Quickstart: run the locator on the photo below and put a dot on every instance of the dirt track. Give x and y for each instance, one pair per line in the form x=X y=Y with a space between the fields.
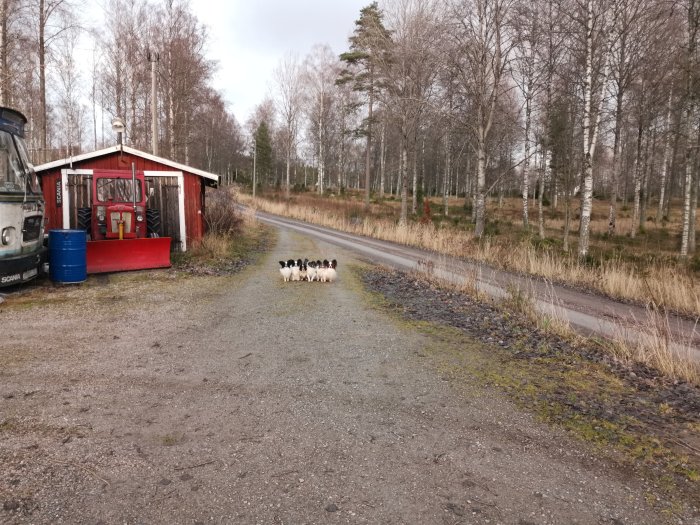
x=246 y=400
x=589 y=313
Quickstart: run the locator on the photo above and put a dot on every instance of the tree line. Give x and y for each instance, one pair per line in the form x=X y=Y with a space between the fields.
x=41 y=44
x=556 y=101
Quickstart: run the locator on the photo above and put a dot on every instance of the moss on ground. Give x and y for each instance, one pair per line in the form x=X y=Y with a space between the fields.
x=565 y=389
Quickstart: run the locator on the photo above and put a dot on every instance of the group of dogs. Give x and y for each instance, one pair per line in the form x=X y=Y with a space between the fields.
x=322 y=271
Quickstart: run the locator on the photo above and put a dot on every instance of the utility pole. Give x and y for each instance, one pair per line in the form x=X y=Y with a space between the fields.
x=255 y=155
x=153 y=58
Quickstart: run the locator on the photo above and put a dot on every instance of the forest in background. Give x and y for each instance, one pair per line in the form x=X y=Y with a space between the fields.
x=556 y=101
x=70 y=111
x=559 y=102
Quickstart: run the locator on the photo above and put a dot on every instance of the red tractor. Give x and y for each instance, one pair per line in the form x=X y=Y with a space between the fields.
x=123 y=233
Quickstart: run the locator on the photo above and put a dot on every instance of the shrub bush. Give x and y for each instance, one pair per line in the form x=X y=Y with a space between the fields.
x=221 y=216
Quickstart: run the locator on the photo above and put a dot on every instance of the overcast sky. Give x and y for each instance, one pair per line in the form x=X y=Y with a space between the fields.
x=249 y=37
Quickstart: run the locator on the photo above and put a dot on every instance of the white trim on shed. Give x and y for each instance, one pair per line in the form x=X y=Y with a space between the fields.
x=126 y=149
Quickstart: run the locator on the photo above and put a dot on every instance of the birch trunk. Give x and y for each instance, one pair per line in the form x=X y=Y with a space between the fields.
x=687 y=190
x=648 y=166
x=689 y=126
x=289 y=169
x=480 y=197
x=403 y=170
x=414 y=163
x=540 y=201
x=587 y=166
x=448 y=170
x=489 y=70
x=693 y=214
x=614 y=183
x=671 y=177
x=321 y=161
x=382 y=162
x=638 y=167
x=567 y=219
x=664 y=165
x=526 y=161
x=590 y=135
x=368 y=153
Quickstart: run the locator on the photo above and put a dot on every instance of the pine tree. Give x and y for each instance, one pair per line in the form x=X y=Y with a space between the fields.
x=263 y=144
x=368 y=48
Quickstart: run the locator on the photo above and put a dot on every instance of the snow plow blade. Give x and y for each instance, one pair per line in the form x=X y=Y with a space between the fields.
x=128 y=254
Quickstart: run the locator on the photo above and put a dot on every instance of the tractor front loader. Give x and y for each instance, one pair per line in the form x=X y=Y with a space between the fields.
x=123 y=233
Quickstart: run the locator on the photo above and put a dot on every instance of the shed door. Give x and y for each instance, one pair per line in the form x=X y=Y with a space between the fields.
x=164 y=196
x=78 y=187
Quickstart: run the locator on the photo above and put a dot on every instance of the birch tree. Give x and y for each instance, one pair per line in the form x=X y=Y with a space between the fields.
x=53 y=17
x=180 y=39
x=690 y=117
x=408 y=75
x=528 y=73
x=481 y=38
x=288 y=83
x=68 y=82
x=4 y=51
x=320 y=71
x=641 y=39
x=598 y=18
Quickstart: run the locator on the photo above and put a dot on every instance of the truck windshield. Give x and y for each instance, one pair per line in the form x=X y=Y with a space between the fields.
x=117 y=190
x=14 y=175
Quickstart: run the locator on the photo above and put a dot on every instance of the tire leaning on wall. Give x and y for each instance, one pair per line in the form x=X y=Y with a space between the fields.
x=153 y=223
x=85 y=219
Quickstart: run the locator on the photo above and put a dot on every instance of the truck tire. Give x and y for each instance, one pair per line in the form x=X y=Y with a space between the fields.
x=153 y=225
x=85 y=219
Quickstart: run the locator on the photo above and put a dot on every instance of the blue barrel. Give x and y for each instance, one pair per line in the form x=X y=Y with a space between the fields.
x=67 y=256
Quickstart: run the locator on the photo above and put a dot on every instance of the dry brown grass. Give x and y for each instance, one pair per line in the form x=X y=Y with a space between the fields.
x=213 y=246
x=656 y=347
x=657 y=283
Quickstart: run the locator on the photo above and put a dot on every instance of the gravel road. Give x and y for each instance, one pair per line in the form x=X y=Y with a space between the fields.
x=152 y=398
x=589 y=313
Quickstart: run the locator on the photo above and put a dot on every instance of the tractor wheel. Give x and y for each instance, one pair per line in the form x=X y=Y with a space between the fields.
x=153 y=222
x=85 y=219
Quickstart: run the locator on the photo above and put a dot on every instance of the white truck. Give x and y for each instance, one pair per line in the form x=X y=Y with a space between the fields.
x=22 y=250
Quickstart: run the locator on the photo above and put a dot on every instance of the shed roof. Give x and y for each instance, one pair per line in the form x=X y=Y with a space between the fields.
x=132 y=151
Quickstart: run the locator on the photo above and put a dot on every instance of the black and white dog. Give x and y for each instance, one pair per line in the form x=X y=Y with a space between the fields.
x=323 y=271
x=286 y=270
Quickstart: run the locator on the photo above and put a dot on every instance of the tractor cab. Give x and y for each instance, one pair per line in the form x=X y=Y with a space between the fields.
x=119 y=207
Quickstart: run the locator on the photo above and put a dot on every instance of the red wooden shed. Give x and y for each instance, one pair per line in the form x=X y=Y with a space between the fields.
x=175 y=189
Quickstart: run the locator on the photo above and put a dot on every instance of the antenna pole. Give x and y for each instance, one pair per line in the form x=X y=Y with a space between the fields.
x=153 y=58
x=255 y=157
